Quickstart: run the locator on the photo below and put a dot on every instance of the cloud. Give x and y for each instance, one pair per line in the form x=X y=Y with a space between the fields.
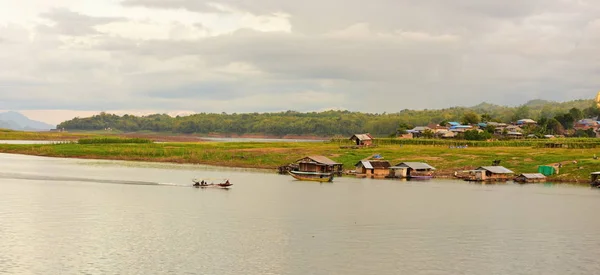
x=72 y=23
x=237 y=56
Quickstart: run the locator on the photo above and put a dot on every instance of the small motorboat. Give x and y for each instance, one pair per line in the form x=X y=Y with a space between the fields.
x=205 y=184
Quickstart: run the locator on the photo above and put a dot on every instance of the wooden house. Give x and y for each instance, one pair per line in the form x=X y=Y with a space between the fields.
x=319 y=164
x=362 y=139
x=373 y=168
x=530 y=178
x=595 y=179
x=411 y=170
x=490 y=173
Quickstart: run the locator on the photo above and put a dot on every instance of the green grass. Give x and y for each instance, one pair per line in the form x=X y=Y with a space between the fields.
x=271 y=155
x=20 y=135
x=112 y=140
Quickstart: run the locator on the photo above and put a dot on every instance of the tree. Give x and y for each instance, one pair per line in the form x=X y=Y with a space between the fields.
x=554 y=127
x=566 y=120
x=521 y=113
x=486 y=117
x=471 y=118
x=477 y=135
x=591 y=112
x=585 y=133
x=428 y=133
x=576 y=114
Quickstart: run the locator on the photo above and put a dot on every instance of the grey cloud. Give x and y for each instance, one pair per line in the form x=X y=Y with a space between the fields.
x=317 y=16
x=73 y=23
x=379 y=56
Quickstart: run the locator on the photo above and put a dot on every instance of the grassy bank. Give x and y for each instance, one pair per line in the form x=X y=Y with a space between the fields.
x=58 y=136
x=577 y=163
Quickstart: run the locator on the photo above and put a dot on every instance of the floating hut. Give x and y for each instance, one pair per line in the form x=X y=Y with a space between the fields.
x=530 y=178
x=490 y=173
x=319 y=164
x=595 y=177
x=411 y=170
x=373 y=168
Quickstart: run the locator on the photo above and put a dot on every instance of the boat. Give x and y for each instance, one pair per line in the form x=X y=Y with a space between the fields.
x=423 y=177
x=312 y=176
x=205 y=184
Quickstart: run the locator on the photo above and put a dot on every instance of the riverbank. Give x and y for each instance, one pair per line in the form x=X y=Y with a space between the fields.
x=577 y=164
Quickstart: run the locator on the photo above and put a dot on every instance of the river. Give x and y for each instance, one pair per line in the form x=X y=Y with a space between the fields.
x=71 y=216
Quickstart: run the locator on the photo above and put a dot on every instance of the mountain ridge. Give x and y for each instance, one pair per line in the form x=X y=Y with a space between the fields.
x=16 y=121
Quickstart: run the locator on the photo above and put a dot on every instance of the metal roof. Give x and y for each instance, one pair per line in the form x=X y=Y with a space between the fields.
x=533 y=176
x=321 y=159
x=371 y=164
x=526 y=120
x=365 y=164
x=496 y=169
x=362 y=137
x=420 y=128
x=414 y=165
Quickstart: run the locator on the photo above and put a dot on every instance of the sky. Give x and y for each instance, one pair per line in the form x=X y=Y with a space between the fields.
x=67 y=58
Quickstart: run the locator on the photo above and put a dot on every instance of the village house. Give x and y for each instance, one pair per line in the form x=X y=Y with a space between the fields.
x=373 y=168
x=411 y=170
x=490 y=173
x=509 y=128
x=526 y=121
x=515 y=134
x=496 y=124
x=319 y=164
x=436 y=128
x=407 y=135
x=419 y=130
x=530 y=178
x=362 y=139
x=445 y=134
x=586 y=124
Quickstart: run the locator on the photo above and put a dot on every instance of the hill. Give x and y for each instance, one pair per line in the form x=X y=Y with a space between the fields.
x=17 y=121
x=328 y=123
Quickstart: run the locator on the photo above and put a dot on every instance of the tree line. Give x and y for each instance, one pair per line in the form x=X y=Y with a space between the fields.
x=331 y=123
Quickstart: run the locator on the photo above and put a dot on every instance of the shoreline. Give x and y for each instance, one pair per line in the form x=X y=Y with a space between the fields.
x=441 y=174
x=577 y=164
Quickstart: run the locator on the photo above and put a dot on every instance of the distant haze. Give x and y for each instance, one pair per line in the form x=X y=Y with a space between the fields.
x=77 y=57
x=17 y=121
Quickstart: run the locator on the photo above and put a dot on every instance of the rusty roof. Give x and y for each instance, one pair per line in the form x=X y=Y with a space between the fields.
x=321 y=160
x=362 y=136
x=371 y=164
x=532 y=176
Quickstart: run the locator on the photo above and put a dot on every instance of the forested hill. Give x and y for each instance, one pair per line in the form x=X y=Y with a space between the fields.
x=327 y=123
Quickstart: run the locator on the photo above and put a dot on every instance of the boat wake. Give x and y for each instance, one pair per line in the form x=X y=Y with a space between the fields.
x=72 y=179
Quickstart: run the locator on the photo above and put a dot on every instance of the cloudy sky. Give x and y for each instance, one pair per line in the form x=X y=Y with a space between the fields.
x=65 y=58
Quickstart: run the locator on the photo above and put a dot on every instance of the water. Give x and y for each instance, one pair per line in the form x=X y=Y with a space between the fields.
x=68 y=216
x=30 y=142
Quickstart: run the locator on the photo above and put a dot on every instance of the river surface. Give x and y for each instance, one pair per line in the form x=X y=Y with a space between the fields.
x=70 y=216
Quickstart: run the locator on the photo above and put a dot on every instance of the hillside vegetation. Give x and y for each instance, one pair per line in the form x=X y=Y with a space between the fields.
x=329 y=123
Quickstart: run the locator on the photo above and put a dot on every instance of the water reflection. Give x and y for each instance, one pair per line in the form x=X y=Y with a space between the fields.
x=31 y=142
x=55 y=220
